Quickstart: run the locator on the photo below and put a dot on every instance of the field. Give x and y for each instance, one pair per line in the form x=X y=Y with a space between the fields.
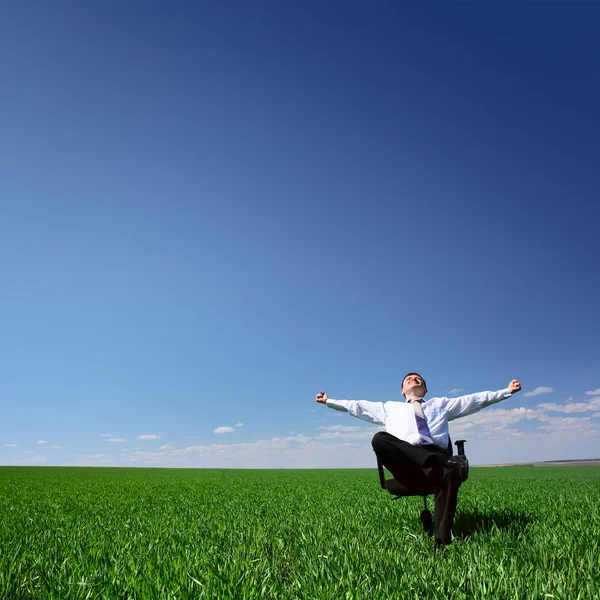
x=521 y=532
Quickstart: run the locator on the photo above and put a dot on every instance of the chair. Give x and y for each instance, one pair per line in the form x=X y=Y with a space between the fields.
x=399 y=490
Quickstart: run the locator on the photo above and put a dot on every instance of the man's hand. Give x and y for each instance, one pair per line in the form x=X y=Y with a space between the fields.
x=514 y=386
x=321 y=397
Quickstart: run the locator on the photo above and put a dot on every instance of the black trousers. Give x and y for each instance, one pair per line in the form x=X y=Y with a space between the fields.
x=419 y=469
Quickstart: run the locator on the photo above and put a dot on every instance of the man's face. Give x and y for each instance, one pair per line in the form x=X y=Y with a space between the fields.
x=413 y=384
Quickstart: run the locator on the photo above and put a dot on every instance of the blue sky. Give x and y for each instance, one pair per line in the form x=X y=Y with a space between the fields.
x=211 y=211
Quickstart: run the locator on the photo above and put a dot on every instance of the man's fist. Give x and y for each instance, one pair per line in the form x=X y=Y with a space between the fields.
x=321 y=397
x=514 y=386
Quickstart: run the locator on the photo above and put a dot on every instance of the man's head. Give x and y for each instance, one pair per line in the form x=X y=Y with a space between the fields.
x=414 y=385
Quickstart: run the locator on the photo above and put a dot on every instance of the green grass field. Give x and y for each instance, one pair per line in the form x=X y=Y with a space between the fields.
x=521 y=532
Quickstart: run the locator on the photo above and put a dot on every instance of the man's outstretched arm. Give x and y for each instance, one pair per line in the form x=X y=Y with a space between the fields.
x=466 y=405
x=373 y=412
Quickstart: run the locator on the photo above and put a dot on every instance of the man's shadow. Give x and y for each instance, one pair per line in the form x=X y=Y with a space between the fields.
x=467 y=523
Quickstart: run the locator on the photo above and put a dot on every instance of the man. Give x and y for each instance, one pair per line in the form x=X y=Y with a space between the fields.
x=415 y=444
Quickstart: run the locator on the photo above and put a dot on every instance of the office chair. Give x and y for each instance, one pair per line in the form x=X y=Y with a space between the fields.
x=399 y=490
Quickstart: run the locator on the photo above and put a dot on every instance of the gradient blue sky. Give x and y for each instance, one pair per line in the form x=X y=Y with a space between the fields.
x=211 y=211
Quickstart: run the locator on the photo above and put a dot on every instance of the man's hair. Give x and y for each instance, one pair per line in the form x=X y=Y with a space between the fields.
x=409 y=374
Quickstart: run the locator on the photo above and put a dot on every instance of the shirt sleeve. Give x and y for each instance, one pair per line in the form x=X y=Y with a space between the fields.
x=467 y=405
x=373 y=412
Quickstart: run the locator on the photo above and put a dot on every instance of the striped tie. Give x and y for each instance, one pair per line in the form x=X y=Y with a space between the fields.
x=425 y=434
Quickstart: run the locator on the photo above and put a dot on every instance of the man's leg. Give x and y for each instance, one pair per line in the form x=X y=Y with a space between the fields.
x=406 y=462
x=389 y=448
x=446 y=495
x=420 y=467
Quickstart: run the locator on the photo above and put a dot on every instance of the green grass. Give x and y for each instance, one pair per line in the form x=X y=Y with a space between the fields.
x=155 y=533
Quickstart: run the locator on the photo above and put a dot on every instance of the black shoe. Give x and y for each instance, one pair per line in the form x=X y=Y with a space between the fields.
x=458 y=464
x=440 y=545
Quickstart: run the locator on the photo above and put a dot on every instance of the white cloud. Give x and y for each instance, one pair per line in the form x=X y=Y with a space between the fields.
x=151 y=458
x=494 y=436
x=492 y=439
x=272 y=444
x=149 y=436
x=539 y=391
x=115 y=440
x=239 y=425
x=41 y=442
x=565 y=408
x=107 y=435
x=204 y=448
x=492 y=422
x=348 y=445
x=531 y=446
x=362 y=433
x=299 y=439
x=56 y=447
x=572 y=425
x=224 y=430
x=455 y=391
x=340 y=427
x=10 y=445
x=571 y=407
x=295 y=451
x=87 y=460
x=576 y=407
x=594 y=392
x=39 y=458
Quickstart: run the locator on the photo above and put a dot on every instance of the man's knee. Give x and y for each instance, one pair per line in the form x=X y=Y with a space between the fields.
x=383 y=440
x=451 y=478
x=379 y=440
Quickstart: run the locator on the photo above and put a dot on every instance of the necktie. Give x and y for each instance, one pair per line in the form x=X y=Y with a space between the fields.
x=421 y=422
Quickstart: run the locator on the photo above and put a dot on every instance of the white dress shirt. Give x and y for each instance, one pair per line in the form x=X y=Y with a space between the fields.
x=398 y=418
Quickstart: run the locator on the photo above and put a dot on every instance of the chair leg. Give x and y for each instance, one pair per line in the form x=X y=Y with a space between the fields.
x=427 y=521
x=426 y=518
